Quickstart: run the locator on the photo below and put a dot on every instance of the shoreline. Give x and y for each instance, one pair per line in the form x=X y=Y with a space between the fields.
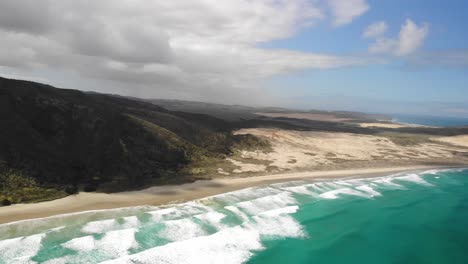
x=163 y=195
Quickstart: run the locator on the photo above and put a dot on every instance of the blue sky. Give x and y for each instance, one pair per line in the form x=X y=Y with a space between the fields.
x=447 y=20
x=391 y=56
x=398 y=82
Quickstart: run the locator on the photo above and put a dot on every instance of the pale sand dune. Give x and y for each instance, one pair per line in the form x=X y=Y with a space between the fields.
x=310 y=116
x=385 y=125
x=307 y=149
x=455 y=140
x=177 y=193
x=243 y=167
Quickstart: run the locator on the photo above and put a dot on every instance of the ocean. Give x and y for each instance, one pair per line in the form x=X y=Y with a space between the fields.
x=402 y=218
x=437 y=121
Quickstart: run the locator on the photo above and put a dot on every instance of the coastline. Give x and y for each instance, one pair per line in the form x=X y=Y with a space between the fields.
x=161 y=195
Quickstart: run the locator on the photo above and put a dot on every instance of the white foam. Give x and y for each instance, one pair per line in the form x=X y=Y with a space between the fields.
x=130 y=221
x=345 y=183
x=212 y=218
x=76 y=259
x=317 y=187
x=182 y=229
x=331 y=185
x=267 y=203
x=81 y=244
x=103 y=226
x=158 y=215
x=281 y=225
x=388 y=182
x=367 y=189
x=334 y=193
x=55 y=229
x=414 y=178
x=179 y=211
x=323 y=186
x=280 y=211
x=62 y=260
x=117 y=243
x=20 y=249
x=246 y=194
x=237 y=212
x=97 y=227
x=229 y=246
x=276 y=222
x=299 y=190
x=114 y=244
x=164 y=211
x=435 y=171
x=356 y=182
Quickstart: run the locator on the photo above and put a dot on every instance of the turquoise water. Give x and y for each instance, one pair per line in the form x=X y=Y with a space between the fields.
x=404 y=218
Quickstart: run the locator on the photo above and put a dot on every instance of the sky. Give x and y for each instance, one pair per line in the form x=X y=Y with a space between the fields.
x=382 y=56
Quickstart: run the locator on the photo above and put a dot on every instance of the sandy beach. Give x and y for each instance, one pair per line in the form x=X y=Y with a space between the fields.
x=177 y=193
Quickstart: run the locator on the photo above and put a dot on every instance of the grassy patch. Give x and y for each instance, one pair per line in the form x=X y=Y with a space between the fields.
x=252 y=143
x=16 y=188
x=404 y=139
x=206 y=166
x=273 y=168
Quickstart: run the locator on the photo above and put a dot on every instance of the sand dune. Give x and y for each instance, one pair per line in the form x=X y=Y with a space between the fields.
x=455 y=140
x=293 y=150
x=329 y=117
x=388 y=125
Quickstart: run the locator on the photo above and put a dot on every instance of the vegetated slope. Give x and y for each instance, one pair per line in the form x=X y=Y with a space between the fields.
x=58 y=138
x=225 y=112
x=240 y=112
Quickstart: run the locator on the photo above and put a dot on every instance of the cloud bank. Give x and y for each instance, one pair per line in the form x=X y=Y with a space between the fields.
x=375 y=30
x=411 y=38
x=199 y=48
x=188 y=49
x=345 y=11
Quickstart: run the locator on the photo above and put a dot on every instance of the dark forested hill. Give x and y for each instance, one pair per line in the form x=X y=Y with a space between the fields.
x=66 y=139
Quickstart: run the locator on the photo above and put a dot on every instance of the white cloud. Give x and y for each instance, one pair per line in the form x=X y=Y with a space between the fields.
x=411 y=37
x=376 y=29
x=197 y=47
x=344 y=11
x=384 y=45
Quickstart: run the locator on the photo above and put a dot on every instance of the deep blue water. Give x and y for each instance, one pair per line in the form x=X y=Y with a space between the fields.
x=431 y=120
